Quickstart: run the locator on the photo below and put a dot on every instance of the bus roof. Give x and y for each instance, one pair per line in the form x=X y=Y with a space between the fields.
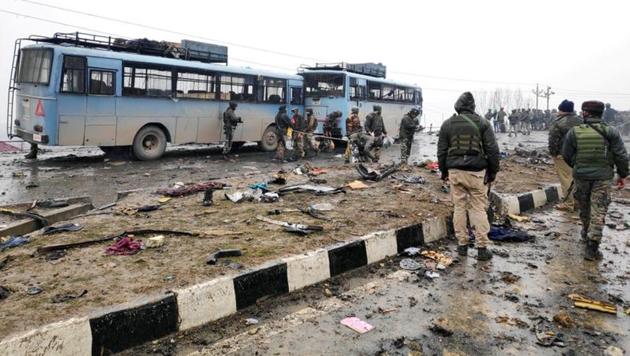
x=132 y=57
x=361 y=76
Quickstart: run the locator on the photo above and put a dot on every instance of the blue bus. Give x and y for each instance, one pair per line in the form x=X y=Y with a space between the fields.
x=79 y=89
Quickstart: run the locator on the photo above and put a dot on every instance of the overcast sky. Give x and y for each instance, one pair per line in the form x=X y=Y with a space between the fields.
x=580 y=48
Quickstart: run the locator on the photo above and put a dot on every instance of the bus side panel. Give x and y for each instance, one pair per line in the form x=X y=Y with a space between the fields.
x=136 y=112
x=100 y=123
x=72 y=109
x=256 y=118
x=325 y=106
x=197 y=121
x=392 y=114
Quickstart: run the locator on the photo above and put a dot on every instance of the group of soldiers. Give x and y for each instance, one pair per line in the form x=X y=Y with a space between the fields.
x=520 y=120
x=586 y=152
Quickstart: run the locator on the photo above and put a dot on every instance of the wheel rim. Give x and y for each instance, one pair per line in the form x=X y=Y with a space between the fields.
x=270 y=139
x=150 y=142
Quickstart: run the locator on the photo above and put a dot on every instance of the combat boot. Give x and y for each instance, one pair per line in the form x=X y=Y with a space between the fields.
x=462 y=250
x=207 y=197
x=483 y=254
x=32 y=154
x=592 y=252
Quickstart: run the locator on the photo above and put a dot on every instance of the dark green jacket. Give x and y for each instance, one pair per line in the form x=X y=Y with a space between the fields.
x=455 y=125
x=559 y=129
x=282 y=122
x=408 y=126
x=230 y=120
x=374 y=123
x=615 y=154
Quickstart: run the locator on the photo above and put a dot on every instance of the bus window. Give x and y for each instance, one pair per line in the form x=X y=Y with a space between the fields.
x=418 y=97
x=196 y=86
x=272 y=91
x=147 y=82
x=357 y=92
x=238 y=88
x=73 y=80
x=296 y=96
x=408 y=98
x=34 y=66
x=323 y=85
x=102 y=82
x=374 y=90
x=388 y=93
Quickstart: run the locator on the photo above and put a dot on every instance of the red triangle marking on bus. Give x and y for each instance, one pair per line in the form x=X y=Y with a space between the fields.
x=39 y=109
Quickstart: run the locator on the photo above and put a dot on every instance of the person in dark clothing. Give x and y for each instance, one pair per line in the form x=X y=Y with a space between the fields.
x=230 y=121
x=610 y=115
x=299 y=127
x=468 y=157
x=32 y=154
x=330 y=126
x=594 y=149
x=283 y=123
x=409 y=125
x=309 y=133
x=375 y=127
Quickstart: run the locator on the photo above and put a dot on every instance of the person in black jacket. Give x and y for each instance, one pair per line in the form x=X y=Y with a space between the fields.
x=282 y=125
x=468 y=157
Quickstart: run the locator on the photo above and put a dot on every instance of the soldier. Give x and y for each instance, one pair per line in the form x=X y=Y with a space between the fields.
x=353 y=127
x=375 y=127
x=299 y=126
x=282 y=125
x=230 y=121
x=559 y=128
x=525 y=120
x=330 y=126
x=468 y=156
x=593 y=149
x=610 y=115
x=311 y=126
x=32 y=153
x=489 y=115
x=500 y=120
x=513 y=119
x=409 y=125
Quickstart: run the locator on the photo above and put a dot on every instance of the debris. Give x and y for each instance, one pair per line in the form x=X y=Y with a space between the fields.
x=563 y=319
x=85 y=243
x=505 y=319
x=279 y=178
x=251 y=321
x=14 y=241
x=412 y=251
x=180 y=190
x=154 y=242
x=357 y=324
x=124 y=247
x=270 y=197
x=164 y=200
x=296 y=228
x=409 y=264
x=62 y=298
x=445 y=189
x=107 y=206
x=34 y=290
x=613 y=351
x=207 y=197
x=519 y=218
x=440 y=326
x=431 y=275
x=31 y=185
x=357 y=184
x=321 y=207
x=309 y=188
x=432 y=166
x=4 y=292
x=18 y=174
x=411 y=179
x=55 y=255
x=505 y=233
x=5 y=261
x=512 y=297
x=373 y=174
x=509 y=277
x=438 y=257
x=213 y=259
x=50 y=203
x=261 y=186
x=545 y=336
x=317 y=171
x=580 y=301
x=26 y=215
x=71 y=227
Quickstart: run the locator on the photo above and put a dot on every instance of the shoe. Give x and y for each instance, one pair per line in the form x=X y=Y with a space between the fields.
x=483 y=254
x=592 y=252
x=462 y=250
x=207 y=197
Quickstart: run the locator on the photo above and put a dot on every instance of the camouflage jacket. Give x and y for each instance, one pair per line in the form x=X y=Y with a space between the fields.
x=353 y=124
x=230 y=120
x=408 y=126
x=558 y=131
x=374 y=124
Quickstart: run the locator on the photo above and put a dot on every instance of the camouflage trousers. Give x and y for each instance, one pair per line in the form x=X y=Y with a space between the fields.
x=592 y=198
x=308 y=143
x=298 y=145
x=227 y=146
x=405 y=148
x=376 y=148
x=281 y=148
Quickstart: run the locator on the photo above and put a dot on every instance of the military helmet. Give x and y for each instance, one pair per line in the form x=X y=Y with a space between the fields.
x=233 y=105
x=414 y=112
x=309 y=111
x=355 y=110
x=377 y=108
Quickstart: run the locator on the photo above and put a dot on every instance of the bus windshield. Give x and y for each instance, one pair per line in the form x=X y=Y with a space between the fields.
x=34 y=66
x=321 y=85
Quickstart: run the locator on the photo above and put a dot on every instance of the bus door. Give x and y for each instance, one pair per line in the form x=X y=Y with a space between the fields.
x=72 y=100
x=104 y=81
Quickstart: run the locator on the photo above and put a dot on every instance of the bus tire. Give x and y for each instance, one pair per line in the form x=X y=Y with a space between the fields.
x=149 y=143
x=269 y=141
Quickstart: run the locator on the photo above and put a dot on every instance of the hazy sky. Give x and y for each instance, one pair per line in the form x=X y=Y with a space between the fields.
x=580 y=48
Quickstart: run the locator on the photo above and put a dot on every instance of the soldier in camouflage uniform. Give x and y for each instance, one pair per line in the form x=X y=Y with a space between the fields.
x=593 y=149
x=309 y=133
x=230 y=121
x=283 y=123
x=375 y=127
x=513 y=119
x=299 y=126
x=500 y=120
x=353 y=128
x=409 y=125
x=566 y=120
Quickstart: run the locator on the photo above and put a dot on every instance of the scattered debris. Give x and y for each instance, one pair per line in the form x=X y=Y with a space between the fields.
x=55 y=255
x=373 y=174
x=4 y=292
x=50 y=203
x=409 y=264
x=580 y=301
x=154 y=242
x=546 y=336
x=295 y=228
x=438 y=257
x=512 y=297
x=279 y=178
x=164 y=200
x=504 y=233
x=519 y=218
x=441 y=327
x=412 y=251
x=614 y=351
x=71 y=227
x=310 y=188
x=180 y=190
x=251 y=321
x=432 y=166
x=213 y=259
x=242 y=196
x=26 y=215
x=14 y=241
x=445 y=189
x=509 y=277
x=563 y=319
x=124 y=247
x=34 y=290
x=357 y=184
x=31 y=185
x=62 y=298
x=5 y=261
x=431 y=275
x=411 y=179
x=357 y=324
x=505 y=319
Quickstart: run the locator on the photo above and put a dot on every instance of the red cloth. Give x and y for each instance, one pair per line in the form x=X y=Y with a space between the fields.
x=124 y=246
x=434 y=166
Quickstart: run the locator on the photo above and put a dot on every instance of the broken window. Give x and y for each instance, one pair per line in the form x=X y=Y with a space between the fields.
x=272 y=90
x=196 y=86
x=73 y=77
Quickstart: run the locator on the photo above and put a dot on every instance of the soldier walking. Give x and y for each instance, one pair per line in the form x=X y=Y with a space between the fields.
x=375 y=127
x=353 y=128
x=468 y=157
x=566 y=120
x=282 y=125
x=299 y=126
x=309 y=133
x=593 y=149
x=409 y=125
x=513 y=119
x=500 y=121
x=230 y=121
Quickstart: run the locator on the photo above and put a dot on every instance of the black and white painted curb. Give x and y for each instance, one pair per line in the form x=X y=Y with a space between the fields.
x=147 y=319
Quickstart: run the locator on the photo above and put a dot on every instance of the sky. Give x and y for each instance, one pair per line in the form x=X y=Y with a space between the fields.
x=581 y=49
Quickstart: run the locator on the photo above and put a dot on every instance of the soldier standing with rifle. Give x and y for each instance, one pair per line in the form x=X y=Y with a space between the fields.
x=468 y=157
x=353 y=127
x=593 y=149
x=230 y=121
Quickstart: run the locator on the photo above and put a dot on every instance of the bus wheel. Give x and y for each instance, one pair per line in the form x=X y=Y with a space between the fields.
x=149 y=143
x=269 y=140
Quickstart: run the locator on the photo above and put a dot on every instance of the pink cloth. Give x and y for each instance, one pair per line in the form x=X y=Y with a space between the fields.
x=124 y=246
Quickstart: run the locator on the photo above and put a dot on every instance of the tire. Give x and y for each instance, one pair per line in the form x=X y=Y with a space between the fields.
x=149 y=143
x=269 y=141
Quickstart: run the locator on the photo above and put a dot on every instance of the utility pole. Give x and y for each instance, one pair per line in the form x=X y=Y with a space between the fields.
x=539 y=93
x=547 y=94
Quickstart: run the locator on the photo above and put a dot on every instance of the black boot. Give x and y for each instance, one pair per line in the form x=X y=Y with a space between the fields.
x=483 y=254
x=592 y=252
x=462 y=250
x=32 y=154
x=207 y=197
